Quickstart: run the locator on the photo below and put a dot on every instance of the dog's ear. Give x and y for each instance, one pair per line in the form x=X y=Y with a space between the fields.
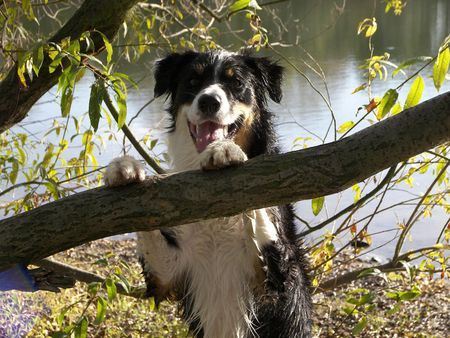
x=270 y=74
x=167 y=71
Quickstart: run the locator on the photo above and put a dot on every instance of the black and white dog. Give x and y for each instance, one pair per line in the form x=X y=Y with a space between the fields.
x=241 y=276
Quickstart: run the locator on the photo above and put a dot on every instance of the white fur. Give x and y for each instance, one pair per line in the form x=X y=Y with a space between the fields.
x=220 y=154
x=219 y=256
x=264 y=230
x=180 y=147
x=124 y=170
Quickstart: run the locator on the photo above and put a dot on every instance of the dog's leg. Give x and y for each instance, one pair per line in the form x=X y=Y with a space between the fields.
x=124 y=170
x=160 y=261
x=263 y=230
x=157 y=249
x=220 y=154
x=287 y=311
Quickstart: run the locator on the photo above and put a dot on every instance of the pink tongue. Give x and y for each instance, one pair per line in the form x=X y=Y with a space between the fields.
x=207 y=133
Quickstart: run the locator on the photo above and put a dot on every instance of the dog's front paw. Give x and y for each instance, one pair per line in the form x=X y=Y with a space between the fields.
x=124 y=170
x=220 y=154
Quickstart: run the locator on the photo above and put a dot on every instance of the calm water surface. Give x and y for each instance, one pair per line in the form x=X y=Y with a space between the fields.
x=302 y=113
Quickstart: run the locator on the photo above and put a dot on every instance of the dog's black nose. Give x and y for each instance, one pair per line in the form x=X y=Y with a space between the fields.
x=209 y=104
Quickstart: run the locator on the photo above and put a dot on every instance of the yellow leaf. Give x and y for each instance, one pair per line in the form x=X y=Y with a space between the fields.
x=415 y=93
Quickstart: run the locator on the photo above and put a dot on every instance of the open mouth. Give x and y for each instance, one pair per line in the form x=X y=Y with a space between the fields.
x=209 y=131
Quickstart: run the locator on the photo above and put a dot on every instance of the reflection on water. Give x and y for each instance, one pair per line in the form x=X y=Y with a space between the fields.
x=332 y=40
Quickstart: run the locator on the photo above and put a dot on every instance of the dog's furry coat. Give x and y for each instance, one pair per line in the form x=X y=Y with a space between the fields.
x=240 y=276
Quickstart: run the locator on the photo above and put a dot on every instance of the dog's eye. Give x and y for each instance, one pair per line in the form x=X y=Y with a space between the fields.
x=194 y=82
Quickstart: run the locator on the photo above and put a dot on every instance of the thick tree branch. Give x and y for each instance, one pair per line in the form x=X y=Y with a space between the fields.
x=53 y=276
x=169 y=200
x=70 y=272
x=16 y=101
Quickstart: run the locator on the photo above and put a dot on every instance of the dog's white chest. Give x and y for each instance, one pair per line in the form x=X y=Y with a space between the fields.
x=221 y=259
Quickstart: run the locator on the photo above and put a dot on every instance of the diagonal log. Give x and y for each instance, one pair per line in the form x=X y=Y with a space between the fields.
x=169 y=200
x=16 y=101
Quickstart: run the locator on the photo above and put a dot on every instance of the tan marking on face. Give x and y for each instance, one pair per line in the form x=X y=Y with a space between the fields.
x=242 y=137
x=229 y=72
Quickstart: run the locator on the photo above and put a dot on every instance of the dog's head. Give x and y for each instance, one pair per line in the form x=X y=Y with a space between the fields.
x=217 y=95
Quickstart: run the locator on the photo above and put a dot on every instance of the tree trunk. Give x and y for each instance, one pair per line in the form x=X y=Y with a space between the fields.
x=169 y=200
x=16 y=101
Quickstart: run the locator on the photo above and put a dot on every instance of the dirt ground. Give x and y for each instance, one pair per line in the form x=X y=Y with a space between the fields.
x=39 y=314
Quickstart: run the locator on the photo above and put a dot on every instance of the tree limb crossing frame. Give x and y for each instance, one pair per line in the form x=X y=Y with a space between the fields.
x=181 y=198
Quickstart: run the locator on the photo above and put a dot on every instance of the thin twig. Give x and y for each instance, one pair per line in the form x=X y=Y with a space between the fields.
x=352 y=206
x=130 y=136
x=410 y=222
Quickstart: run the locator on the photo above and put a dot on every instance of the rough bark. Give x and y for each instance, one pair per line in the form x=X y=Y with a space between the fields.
x=16 y=101
x=169 y=200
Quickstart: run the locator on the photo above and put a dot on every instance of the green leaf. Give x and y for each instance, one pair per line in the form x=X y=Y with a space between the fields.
x=369 y=25
x=111 y=289
x=38 y=59
x=396 y=109
x=153 y=143
x=239 y=5
x=392 y=295
x=55 y=64
x=20 y=74
x=409 y=295
x=74 y=51
x=125 y=77
x=371 y=29
x=66 y=100
x=81 y=329
x=124 y=283
x=95 y=104
x=350 y=310
x=52 y=187
x=87 y=137
x=415 y=92
x=14 y=172
x=408 y=63
x=22 y=155
x=346 y=126
x=317 y=205
x=66 y=84
x=59 y=334
x=152 y=304
x=360 y=326
x=101 y=311
x=359 y=88
x=109 y=49
x=122 y=104
x=440 y=68
x=387 y=102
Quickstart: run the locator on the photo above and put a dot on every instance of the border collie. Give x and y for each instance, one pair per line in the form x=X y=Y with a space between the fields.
x=240 y=276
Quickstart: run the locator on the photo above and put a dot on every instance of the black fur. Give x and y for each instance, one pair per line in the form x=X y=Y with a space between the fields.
x=284 y=308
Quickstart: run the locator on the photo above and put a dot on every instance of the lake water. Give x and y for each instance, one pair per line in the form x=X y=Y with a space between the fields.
x=333 y=42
